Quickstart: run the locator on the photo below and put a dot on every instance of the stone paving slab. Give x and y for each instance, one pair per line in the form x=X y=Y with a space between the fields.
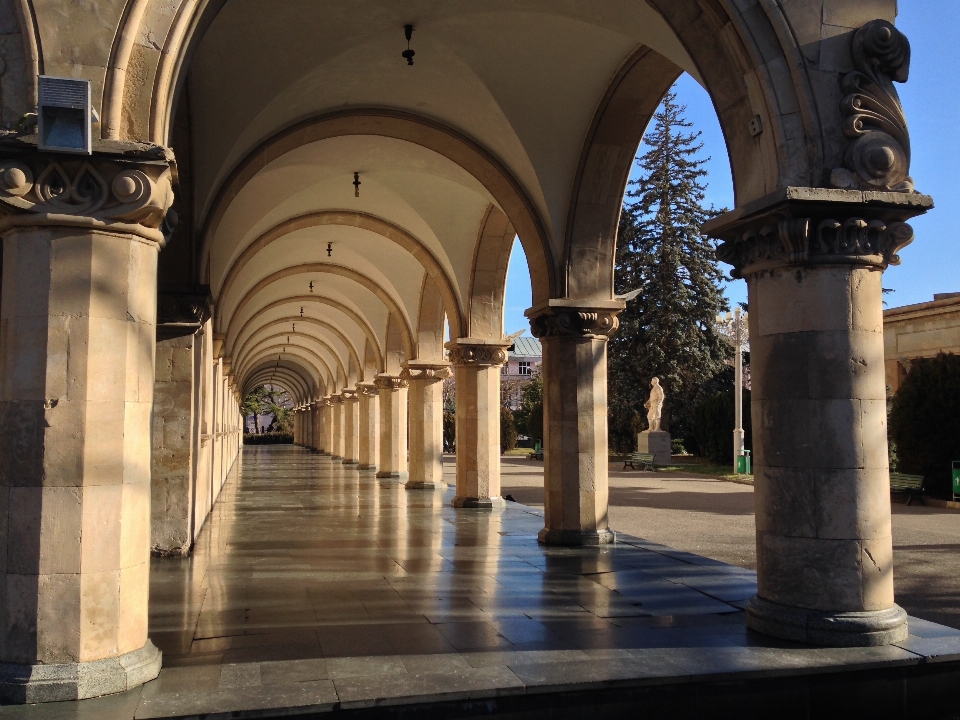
x=365 y=595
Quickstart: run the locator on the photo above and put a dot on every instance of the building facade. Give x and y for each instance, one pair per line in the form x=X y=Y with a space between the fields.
x=918 y=331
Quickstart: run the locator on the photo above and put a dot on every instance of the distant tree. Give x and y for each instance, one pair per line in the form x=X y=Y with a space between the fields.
x=669 y=331
x=255 y=404
x=270 y=400
x=924 y=422
x=529 y=416
x=508 y=429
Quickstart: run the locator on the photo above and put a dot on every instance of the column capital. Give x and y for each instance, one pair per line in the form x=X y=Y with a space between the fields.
x=432 y=372
x=477 y=352
x=349 y=395
x=123 y=187
x=798 y=226
x=367 y=389
x=561 y=317
x=390 y=382
x=182 y=311
x=334 y=399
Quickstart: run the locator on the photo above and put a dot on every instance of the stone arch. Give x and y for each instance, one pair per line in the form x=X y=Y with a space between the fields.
x=444 y=140
x=395 y=351
x=307 y=356
x=371 y=362
x=252 y=347
x=430 y=323
x=392 y=304
x=354 y=355
x=304 y=383
x=372 y=340
x=364 y=221
x=488 y=278
x=288 y=382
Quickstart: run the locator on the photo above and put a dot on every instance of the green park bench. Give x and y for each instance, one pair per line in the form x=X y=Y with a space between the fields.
x=644 y=460
x=912 y=485
x=537 y=453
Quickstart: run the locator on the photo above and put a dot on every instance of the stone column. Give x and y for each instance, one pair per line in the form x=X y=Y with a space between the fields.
x=317 y=415
x=574 y=338
x=351 y=427
x=813 y=260
x=336 y=413
x=327 y=410
x=369 y=425
x=297 y=421
x=393 y=426
x=80 y=240
x=476 y=365
x=426 y=425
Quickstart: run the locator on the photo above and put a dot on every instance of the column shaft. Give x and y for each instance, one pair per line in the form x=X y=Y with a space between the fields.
x=327 y=426
x=369 y=426
x=393 y=426
x=351 y=427
x=336 y=410
x=477 y=370
x=426 y=425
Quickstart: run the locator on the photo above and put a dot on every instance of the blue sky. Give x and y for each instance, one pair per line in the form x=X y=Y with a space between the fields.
x=931 y=100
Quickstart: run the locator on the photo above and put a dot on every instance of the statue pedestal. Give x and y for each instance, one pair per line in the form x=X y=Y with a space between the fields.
x=657 y=444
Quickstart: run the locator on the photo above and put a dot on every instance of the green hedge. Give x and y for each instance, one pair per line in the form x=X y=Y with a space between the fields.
x=508 y=430
x=713 y=422
x=270 y=438
x=924 y=422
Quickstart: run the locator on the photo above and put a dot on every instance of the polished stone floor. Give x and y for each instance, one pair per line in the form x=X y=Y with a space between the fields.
x=317 y=586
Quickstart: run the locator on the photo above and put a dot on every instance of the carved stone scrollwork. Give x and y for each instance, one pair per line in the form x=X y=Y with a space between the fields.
x=477 y=355
x=575 y=322
x=419 y=371
x=856 y=240
x=133 y=195
x=367 y=389
x=334 y=400
x=182 y=313
x=349 y=395
x=878 y=156
x=809 y=226
x=326 y=401
x=391 y=382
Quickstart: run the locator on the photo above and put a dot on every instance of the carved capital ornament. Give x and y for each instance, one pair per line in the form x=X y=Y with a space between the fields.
x=427 y=372
x=127 y=192
x=390 y=382
x=878 y=154
x=477 y=355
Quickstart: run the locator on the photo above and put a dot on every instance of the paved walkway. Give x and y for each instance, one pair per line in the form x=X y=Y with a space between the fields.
x=316 y=586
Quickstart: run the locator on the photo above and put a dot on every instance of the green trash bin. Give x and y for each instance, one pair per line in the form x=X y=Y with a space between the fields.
x=955 y=471
x=743 y=463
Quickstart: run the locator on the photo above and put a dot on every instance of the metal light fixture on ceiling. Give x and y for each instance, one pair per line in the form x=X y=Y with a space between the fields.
x=311 y=286
x=356 y=184
x=301 y=311
x=329 y=249
x=408 y=53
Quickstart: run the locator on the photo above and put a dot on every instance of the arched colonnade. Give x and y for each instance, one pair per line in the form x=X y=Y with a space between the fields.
x=328 y=215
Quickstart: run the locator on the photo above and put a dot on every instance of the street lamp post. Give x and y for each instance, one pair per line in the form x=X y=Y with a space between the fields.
x=738 y=389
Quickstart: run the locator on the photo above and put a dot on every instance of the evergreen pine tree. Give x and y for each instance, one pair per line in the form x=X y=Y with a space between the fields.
x=668 y=331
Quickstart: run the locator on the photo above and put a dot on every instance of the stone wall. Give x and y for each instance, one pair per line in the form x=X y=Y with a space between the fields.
x=172 y=489
x=917 y=331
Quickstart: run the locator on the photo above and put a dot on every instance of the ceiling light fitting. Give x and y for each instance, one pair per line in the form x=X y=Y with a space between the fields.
x=408 y=53
x=311 y=286
x=301 y=311
x=329 y=249
x=356 y=184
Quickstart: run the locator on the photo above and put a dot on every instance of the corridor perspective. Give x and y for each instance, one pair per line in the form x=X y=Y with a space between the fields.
x=316 y=585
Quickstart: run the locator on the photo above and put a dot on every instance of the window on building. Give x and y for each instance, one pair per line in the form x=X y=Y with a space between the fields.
x=524 y=367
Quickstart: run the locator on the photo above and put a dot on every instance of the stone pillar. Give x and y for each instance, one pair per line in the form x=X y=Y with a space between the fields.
x=351 y=427
x=317 y=415
x=369 y=425
x=327 y=425
x=813 y=260
x=426 y=425
x=393 y=426
x=476 y=366
x=296 y=426
x=80 y=241
x=336 y=411
x=574 y=338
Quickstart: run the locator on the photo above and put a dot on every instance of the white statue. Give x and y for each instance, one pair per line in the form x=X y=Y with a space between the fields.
x=654 y=405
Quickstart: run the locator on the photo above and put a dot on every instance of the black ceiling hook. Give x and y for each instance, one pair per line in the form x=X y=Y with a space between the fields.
x=408 y=53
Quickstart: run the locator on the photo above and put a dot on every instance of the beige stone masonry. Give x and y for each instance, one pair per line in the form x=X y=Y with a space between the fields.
x=369 y=425
x=426 y=424
x=351 y=427
x=476 y=365
x=574 y=338
x=393 y=426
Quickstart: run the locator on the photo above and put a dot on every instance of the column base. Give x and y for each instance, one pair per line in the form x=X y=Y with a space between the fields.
x=351 y=462
x=478 y=503
x=80 y=680
x=425 y=485
x=392 y=475
x=336 y=458
x=576 y=538
x=363 y=466
x=815 y=627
